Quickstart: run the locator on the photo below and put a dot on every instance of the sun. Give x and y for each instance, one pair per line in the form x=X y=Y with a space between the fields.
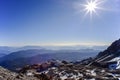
x=91 y=7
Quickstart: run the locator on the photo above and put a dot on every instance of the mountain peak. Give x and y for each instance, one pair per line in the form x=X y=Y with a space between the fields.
x=115 y=46
x=110 y=53
x=112 y=49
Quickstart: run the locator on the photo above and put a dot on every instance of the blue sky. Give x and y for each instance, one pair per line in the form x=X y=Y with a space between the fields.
x=57 y=22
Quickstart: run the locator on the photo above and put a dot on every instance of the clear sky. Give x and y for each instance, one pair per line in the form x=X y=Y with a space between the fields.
x=57 y=22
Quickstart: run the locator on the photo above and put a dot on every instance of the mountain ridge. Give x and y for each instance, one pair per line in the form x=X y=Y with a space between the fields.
x=112 y=51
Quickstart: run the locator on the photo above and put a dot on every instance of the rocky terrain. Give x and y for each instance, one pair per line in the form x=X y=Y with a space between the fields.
x=8 y=75
x=105 y=66
x=61 y=70
x=71 y=71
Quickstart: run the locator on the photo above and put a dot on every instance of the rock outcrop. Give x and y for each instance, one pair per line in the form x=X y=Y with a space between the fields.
x=8 y=75
x=111 y=52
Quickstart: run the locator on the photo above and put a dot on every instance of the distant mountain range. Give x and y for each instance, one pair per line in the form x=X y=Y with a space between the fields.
x=7 y=49
x=15 y=57
x=2 y=55
x=27 y=57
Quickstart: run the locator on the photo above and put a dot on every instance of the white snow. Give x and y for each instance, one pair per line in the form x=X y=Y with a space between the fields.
x=80 y=75
x=53 y=68
x=90 y=79
x=63 y=77
x=93 y=72
x=103 y=71
x=29 y=74
x=115 y=59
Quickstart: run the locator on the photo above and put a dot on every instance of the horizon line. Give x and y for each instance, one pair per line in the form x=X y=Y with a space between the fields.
x=89 y=44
